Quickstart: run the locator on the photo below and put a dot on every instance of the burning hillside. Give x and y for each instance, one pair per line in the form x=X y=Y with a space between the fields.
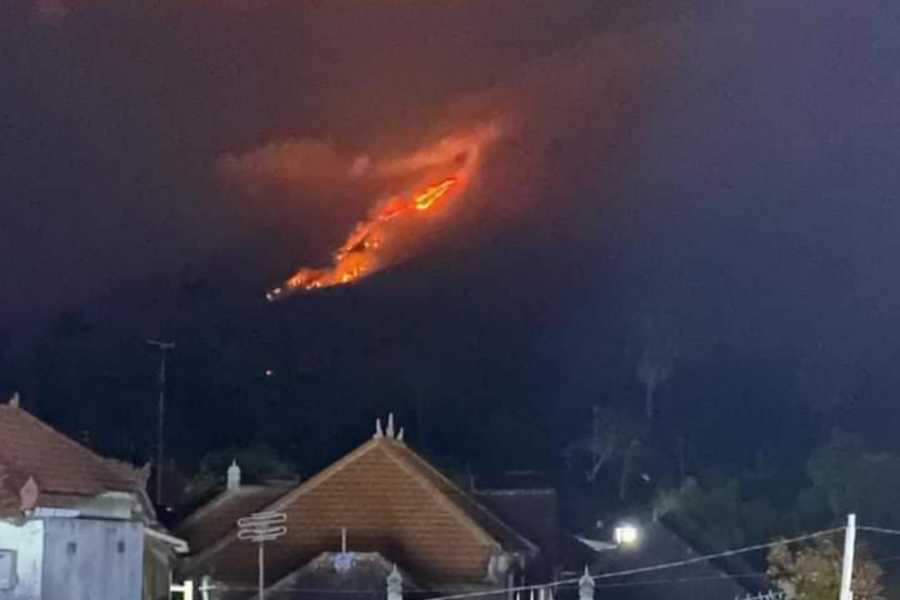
x=361 y=213
x=430 y=182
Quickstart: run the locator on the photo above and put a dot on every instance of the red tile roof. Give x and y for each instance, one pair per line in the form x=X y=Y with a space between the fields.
x=392 y=502
x=31 y=448
x=10 y=502
x=214 y=520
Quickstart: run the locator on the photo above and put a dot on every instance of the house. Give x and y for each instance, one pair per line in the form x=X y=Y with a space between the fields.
x=74 y=525
x=528 y=502
x=380 y=506
x=659 y=541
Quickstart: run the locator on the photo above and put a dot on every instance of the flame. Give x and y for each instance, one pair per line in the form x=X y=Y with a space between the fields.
x=366 y=248
x=431 y=194
x=356 y=256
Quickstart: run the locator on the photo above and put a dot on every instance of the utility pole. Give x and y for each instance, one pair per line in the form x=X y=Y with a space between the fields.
x=849 y=548
x=163 y=347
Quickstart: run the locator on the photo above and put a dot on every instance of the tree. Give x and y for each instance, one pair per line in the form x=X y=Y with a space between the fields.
x=846 y=477
x=615 y=437
x=610 y=433
x=652 y=371
x=813 y=572
x=656 y=362
x=718 y=511
x=258 y=463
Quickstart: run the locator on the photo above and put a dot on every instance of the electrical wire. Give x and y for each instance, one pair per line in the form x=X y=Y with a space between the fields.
x=878 y=530
x=563 y=583
x=652 y=568
x=886 y=559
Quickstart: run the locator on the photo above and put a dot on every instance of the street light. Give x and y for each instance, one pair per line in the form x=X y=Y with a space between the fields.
x=626 y=534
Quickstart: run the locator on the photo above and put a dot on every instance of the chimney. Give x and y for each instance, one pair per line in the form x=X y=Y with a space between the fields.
x=233 y=480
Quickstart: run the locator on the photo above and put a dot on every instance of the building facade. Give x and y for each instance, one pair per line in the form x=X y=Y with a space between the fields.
x=73 y=525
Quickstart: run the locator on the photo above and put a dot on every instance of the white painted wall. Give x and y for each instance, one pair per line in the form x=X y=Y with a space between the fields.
x=27 y=541
x=87 y=559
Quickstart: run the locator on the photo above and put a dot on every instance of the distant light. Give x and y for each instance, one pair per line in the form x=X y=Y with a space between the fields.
x=626 y=535
x=269 y=372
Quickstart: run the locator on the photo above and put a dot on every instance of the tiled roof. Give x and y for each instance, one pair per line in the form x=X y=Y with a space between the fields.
x=214 y=520
x=508 y=538
x=534 y=513
x=10 y=502
x=31 y=448
x=658 y=544
x=392 y=502
x=355 y=575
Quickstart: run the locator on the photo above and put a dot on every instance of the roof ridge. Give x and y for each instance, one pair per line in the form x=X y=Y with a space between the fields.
x=221 y=497
x=99 y=460
x=202 y=510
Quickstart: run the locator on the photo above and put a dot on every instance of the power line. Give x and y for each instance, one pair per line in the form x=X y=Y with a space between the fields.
x=652 y=568
x=879 y=530
x=886 y=559
x=682 y=580
x=620 y=584
x=563 y=583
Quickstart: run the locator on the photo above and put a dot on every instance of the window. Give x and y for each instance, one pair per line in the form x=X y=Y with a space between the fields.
x=8 y=578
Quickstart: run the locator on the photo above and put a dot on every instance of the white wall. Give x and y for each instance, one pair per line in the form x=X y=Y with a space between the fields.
x=27 y=540
x=86 y=559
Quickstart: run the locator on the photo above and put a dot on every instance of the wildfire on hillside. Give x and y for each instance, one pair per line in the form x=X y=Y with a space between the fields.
x=440 y=175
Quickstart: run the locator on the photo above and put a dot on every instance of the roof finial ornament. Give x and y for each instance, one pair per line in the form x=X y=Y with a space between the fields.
x=233 y=476
x=378 y=432
x=28 y=495
x=390 y=425
x=400 y=435
x=395 y=584
x=15 y=401
x=586 y=586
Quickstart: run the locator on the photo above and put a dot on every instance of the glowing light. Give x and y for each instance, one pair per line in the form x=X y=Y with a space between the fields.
x=626 y=534
x=393 y=221
x=427 y=198
x=355 y=258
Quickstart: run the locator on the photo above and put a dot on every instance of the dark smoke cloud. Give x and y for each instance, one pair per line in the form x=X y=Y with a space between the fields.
x=591 y=92
x=126 y=113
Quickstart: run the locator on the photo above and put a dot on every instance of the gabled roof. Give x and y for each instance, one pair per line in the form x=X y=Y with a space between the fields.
x=507 y=538
x=354 y=575
x=392 y=502
x=29 y=448
x=211 y=522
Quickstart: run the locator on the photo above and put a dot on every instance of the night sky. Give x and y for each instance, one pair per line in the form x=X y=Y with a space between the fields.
x=720 y=175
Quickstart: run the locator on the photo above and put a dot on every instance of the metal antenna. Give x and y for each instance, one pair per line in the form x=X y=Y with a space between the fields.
x=262 y=527
x=163 y=347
